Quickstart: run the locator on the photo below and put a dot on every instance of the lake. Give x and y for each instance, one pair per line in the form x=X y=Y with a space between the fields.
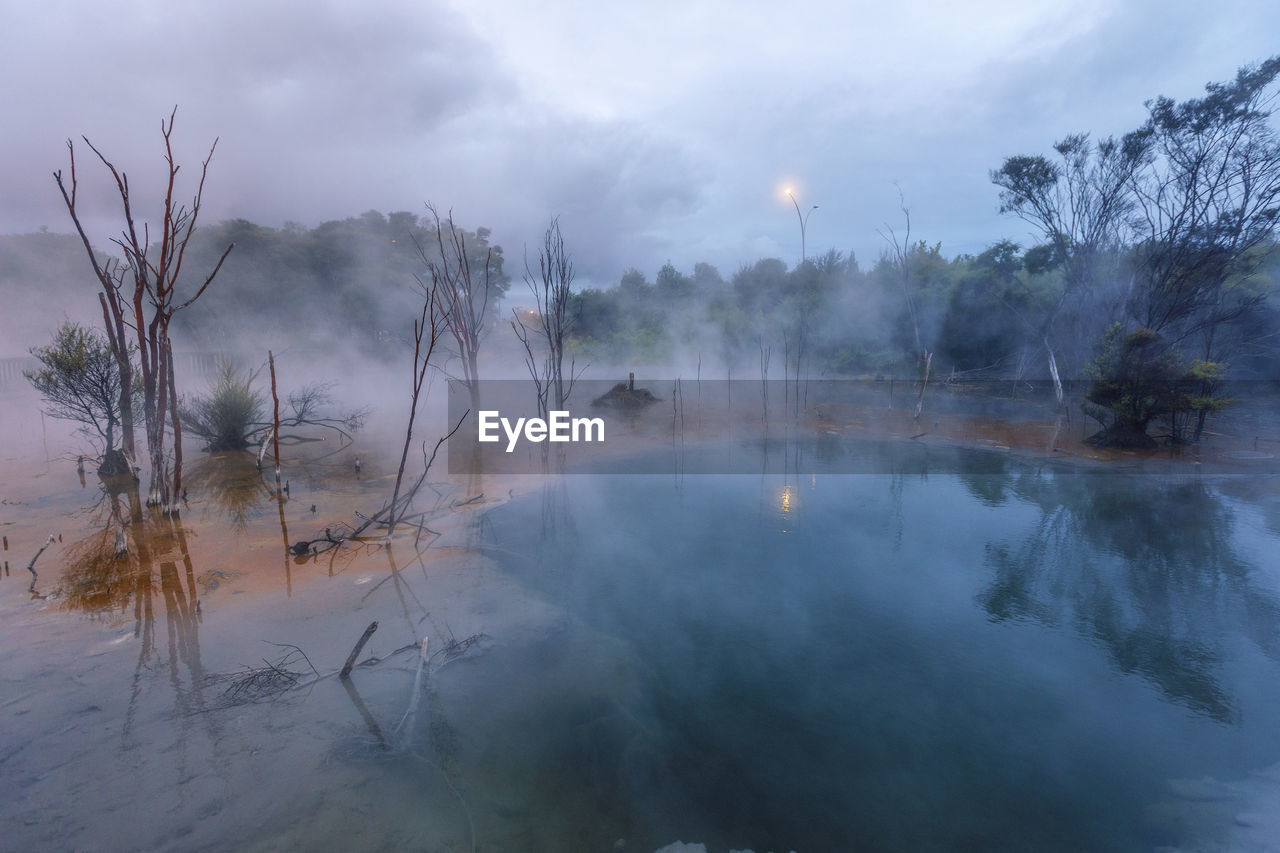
x=961 y=649
x=972 y=652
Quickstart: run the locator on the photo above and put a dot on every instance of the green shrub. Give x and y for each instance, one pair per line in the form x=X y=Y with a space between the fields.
x=230 y=413
x=80 y=381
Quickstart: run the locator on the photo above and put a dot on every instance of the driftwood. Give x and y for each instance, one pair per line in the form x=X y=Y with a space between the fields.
x=276 y=678
x=355 y=652
x=31 y=567
x=261 y=683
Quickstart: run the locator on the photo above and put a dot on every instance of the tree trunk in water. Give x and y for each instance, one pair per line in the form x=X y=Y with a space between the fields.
x=1053 y=371
x=473 y=380
x=275 y=430
x=158 y=493
x=119 y=348
x=928 y=362
x=172 y=509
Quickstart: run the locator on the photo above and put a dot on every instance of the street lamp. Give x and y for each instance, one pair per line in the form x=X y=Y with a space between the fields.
x=804 y=220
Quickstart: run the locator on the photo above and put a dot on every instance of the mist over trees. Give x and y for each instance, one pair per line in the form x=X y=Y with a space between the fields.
x=352 y=277
x=1158 y=235
x=1148 y=279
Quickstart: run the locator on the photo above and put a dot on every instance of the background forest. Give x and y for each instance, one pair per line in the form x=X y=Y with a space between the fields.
x=1151 y=279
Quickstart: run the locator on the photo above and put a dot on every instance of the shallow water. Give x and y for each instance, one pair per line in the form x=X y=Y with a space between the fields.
x=963 y=650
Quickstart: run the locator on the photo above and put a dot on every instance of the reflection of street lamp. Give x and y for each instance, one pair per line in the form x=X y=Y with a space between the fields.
x=804 y=220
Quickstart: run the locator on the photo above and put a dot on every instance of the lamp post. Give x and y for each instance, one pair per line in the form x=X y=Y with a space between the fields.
x=804 y=220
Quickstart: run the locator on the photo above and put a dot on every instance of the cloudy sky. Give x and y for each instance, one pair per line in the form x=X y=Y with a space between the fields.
x=663 y=130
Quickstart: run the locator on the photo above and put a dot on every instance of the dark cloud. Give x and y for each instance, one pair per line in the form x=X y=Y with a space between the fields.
x=655 y=136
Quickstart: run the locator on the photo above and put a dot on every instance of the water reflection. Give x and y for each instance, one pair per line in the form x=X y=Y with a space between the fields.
x=136 y=553
x=965 y=651
x=233 y=484
x=1146 y=566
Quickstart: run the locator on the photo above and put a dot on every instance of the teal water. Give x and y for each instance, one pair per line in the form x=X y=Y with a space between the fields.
x=968 y=652
x=952 y=651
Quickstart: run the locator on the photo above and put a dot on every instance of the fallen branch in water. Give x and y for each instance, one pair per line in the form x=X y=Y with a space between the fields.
x=274 y=679
x=390 y=515
x=261 y=683
x=31 y=567
x=355 y=653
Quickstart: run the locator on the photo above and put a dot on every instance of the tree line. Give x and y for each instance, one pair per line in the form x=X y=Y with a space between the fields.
x=1151 y=276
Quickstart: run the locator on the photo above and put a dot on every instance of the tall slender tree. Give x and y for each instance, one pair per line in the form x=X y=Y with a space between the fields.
x=141 y=292
x=551 y=287
x=463 y=296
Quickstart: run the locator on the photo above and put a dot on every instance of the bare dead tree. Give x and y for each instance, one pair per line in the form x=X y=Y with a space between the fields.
x=464 y=298
x=539 y=365
x=766 y=353
x=901 y=252
x=426 y=334
x=177 y=428
x=141 y=293
x=551 y=287
x=114 y=308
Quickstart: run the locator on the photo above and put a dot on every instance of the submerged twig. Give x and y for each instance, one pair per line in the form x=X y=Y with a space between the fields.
x=299 y=651
x=259 y=684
